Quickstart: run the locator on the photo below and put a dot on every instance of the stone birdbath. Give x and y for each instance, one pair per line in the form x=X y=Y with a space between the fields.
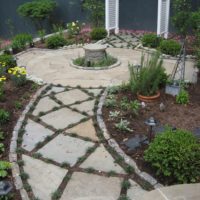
x=94 y=52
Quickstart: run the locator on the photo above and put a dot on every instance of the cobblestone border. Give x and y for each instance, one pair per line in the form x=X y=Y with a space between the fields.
x=13 y=146
x=112 y=143
x=118 y=63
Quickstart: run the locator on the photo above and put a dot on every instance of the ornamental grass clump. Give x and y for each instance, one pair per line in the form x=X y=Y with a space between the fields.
x=149 y=77
x=18 y=75
x=175 y=155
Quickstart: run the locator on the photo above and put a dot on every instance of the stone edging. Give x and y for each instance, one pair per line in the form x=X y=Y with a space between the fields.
x=13 y=146
x=96 y=68
x=112 y=143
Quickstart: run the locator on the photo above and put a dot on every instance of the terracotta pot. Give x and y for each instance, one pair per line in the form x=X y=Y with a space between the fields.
x=148 y=98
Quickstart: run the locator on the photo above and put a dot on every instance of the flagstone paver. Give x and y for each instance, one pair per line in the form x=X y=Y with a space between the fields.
x=72 y=96
x=86 y=106
x=61 y=118
x=43 y=178
x=135 y=192
x=65 y=149
x=95 y=92
x=101 y=160
x=84 y=186
x=55 y=89
x=84 y=129
x=44 y=105
x=34 y=133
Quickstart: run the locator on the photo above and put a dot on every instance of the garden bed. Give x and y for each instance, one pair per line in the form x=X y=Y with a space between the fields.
x=180 y=116
x=15 y=100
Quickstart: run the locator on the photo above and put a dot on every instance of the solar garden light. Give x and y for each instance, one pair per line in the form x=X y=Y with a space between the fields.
x=5 y=187
x=151 y=122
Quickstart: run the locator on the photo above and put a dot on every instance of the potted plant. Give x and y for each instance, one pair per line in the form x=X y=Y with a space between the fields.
x=147 y=79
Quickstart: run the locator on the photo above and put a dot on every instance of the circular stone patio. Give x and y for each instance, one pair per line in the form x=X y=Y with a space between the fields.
x=53 y=66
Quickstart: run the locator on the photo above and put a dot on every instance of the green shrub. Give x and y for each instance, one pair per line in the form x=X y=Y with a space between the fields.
x=8 y=59
x=41 y=34
x=170 y=47
x=4 y=116
x=147 y=79
x=55 y=41
x=98 y=33
x=37 y=10
x=175 y=154
x=151 y=40
x=182 y=97
x=20 y=41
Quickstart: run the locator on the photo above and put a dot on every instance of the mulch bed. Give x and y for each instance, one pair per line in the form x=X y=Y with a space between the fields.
x=14 y=94
x=185 y=117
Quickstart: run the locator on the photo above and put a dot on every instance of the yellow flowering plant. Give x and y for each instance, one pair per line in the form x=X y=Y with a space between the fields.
x=18 y=75
x=74 y=28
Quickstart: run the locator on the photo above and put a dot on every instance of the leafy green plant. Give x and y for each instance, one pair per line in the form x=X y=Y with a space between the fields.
x=2 y=148
x=96 y=9
x=4 y=116
x=114 y=114
x=2 y=82
x=125 y=185
x=20 y=41
x=55 y=41
x=170 y=47
x=182 y=97
x=135 y=106
x=9 y=60
x=18 y=105
x=113 y=90
x=56 y=195
x=1 y=135
x=98 y=33
x=149 y=77
x=110 y=101
x=42 y=34
x=37 y=11
x=175 y=154
x=4 y=167
x=124 y=103
x=151 y=40
x=123 y=125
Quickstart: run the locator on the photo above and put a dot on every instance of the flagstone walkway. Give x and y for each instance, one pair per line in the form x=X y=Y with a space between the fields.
x=63 y=153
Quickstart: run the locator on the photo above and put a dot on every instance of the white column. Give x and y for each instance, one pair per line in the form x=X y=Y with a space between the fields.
x=159 y=17
x=117 y=17
x=107 y=16
x=168 y=18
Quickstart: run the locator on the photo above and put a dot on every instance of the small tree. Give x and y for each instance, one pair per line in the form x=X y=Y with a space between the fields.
x=96 y=10
x=37 y=11
x=182 y=16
